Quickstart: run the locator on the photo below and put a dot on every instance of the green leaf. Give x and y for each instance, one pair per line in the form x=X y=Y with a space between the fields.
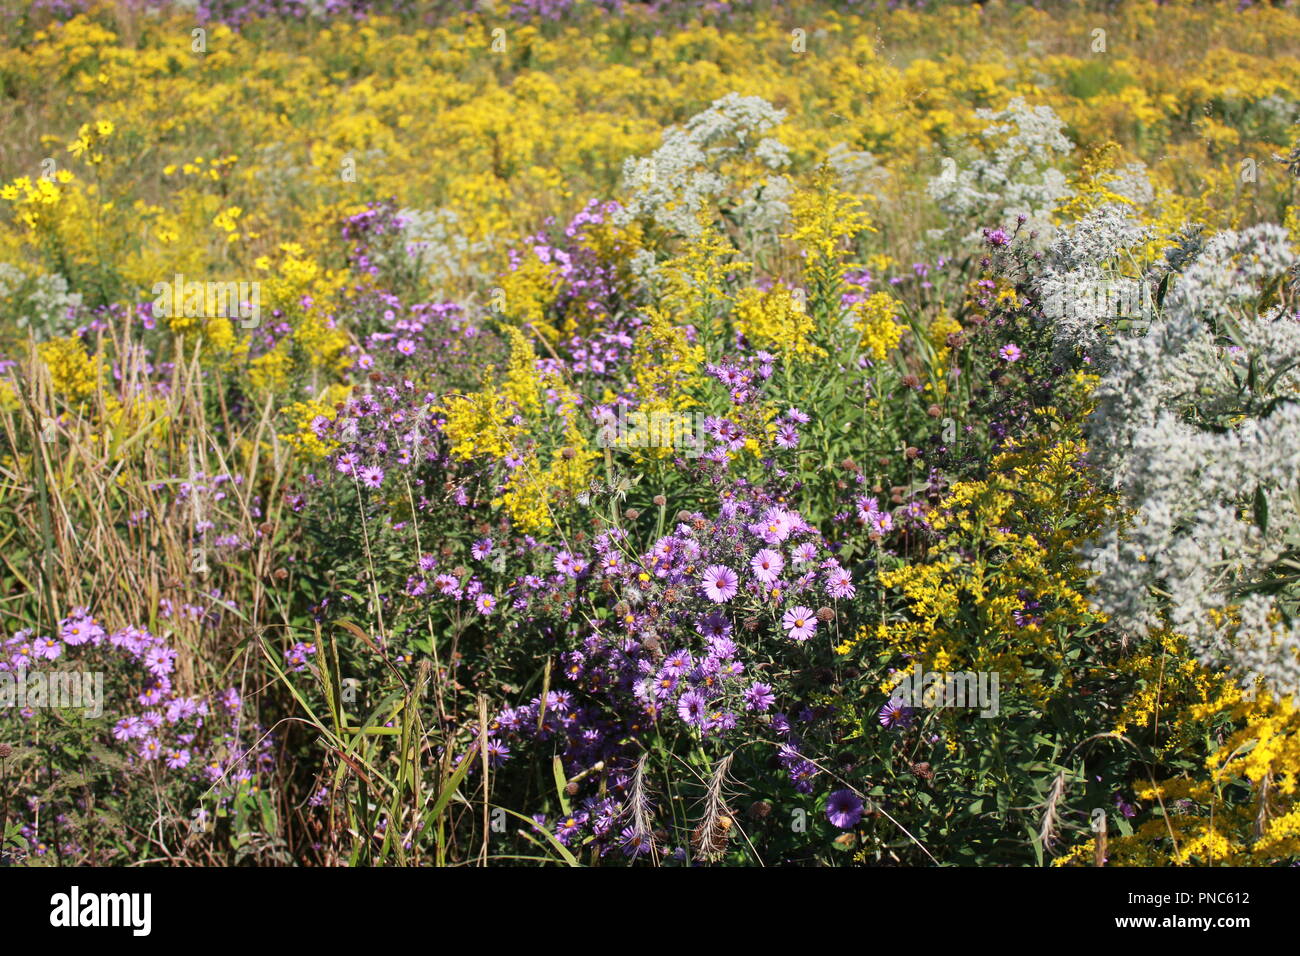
x=561 y=781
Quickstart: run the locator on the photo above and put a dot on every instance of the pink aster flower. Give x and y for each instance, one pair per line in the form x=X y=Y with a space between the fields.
x=151 y=749
x=839 y=584
x=767 y=565
x=720 y=583
x=1010 y=352
x=774 y=526
x=799 y=623
x=805 y=553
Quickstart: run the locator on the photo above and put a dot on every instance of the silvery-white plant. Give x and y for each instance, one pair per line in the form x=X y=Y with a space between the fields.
x=38 y=302
x=434 y=246
x=1198 y=427
x=684 y=175
x=858 y=170
x=1014 y=172
x=1089 y=279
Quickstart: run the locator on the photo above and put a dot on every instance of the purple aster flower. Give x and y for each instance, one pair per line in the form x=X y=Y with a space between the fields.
x=481 y=549
x=713 y=625
x=720 y=583
x=498 y=753
x=1010 y=352
x=635 y=843
x=569 y=828
x=372 y=477
x=759 y=697
x=485 y=603
x=677 y=663
x=691 y=707
x=128 y=728
x=844 y=809
x=896 y=714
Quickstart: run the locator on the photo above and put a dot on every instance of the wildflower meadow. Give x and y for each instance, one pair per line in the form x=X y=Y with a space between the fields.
x=599 y=433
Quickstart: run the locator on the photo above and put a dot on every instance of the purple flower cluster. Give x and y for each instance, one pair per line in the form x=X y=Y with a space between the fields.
x=148 y=720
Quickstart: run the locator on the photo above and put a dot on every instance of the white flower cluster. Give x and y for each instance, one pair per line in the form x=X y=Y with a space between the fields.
x=1017 y=178
x=1088 y=281
x=858 y=170
x=688 y=172
x=41 y=302
x=1198 y=425
x=435 y=248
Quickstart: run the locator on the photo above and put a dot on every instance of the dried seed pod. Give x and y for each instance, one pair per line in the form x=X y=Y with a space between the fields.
x=659 y=501
x=710 y=838
x=934 y=411
x=825 y=614
x=760 y=810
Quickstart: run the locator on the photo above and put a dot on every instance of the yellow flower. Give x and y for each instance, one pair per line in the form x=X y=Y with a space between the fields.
x=776 y=319
x=875 y=321
x=75 y=374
